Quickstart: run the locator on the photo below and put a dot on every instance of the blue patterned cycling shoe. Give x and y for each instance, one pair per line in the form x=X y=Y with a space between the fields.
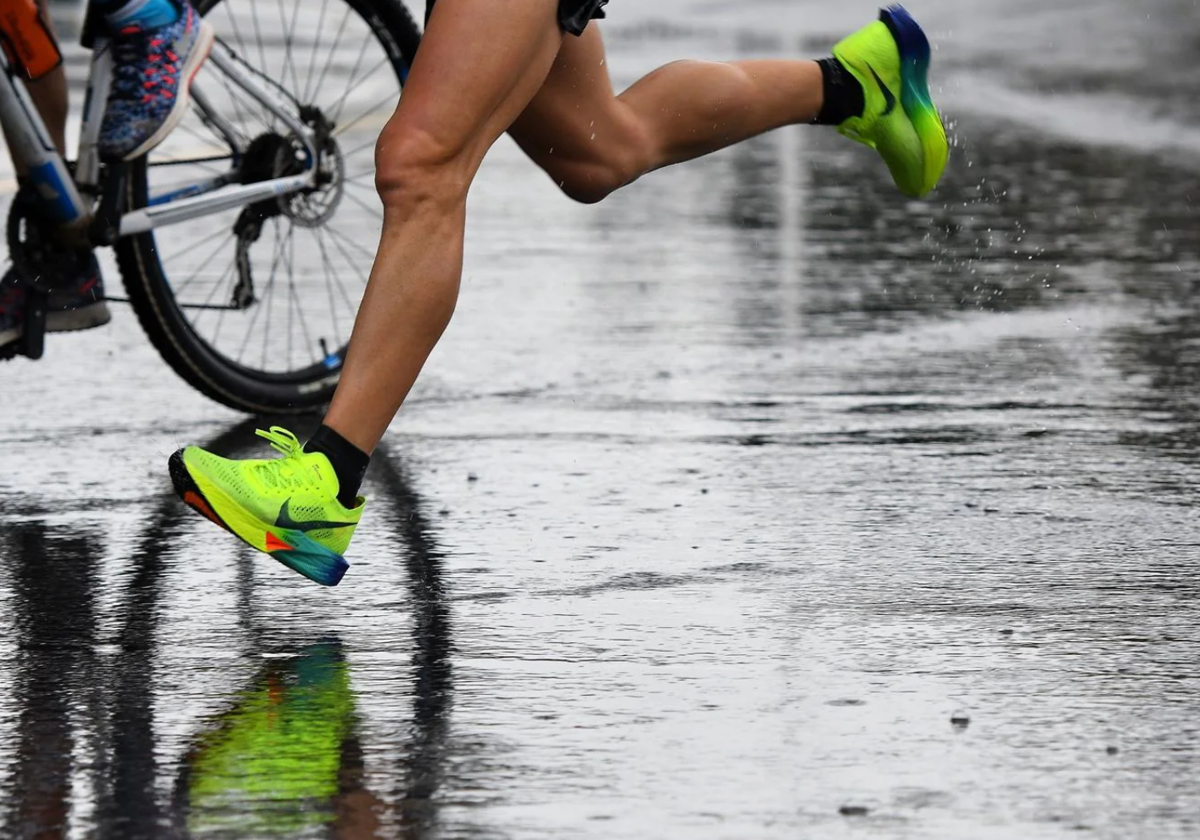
x=80 y=306
x=152 y=70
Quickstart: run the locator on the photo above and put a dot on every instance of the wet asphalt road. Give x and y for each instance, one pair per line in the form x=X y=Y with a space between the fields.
x=756 y=502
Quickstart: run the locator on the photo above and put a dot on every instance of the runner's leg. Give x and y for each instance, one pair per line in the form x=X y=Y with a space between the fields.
x=591 y=141
x=478 y=66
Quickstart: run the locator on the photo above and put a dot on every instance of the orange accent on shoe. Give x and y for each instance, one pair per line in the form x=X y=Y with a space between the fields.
x=276 y=544
x=201 y=506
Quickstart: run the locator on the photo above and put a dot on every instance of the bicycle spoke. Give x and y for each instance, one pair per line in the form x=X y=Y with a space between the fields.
x=337 y=39
x=258 y=309
x=350 y=304
x=370 y=188
x=291 y=297
x=183 y=287
x=237 y=32
x=262 y=54
x=288 y=38
x=373 y=210
x=177 y=254
x=300 y=311
x=370 y=144
x=342 y=129
x=329 y=288
x=350 y=261
x=370 y=255
x=231 y=271
x=207 y=139
x=271 y=287
x=352 y=85
x=312 y=60
x=277 y=248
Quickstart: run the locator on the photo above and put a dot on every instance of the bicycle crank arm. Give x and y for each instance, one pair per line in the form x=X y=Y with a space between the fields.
x=185 y=209
x=32 y=341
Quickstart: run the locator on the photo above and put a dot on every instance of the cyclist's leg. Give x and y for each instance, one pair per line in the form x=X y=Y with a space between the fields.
x=49 y=95
x=478 y=66
x=591 y=141
x=79 y=304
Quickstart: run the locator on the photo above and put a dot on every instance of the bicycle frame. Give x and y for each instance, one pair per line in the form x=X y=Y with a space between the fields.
x=64 y=195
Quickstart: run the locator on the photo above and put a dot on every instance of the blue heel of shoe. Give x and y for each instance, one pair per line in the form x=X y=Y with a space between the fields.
x=915 y=98
x=914 y=57
x=310 y=558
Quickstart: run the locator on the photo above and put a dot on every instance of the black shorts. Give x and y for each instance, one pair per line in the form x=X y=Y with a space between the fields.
x=573 y=15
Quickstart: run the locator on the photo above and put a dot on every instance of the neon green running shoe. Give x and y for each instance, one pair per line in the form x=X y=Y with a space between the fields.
x=286 y=507
x=890 y=59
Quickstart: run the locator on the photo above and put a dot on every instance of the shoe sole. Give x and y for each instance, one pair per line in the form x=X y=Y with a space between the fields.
x=66 y=320
x=81 y=318
x=294 y=549
x=204 y=43
x=915 y=98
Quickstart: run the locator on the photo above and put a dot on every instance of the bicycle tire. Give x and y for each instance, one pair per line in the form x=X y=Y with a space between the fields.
x=199 y=361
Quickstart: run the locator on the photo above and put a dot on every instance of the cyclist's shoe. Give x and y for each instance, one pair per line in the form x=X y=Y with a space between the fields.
x=286 y=507
x=79 y=306
x=152 y=71
x=890 y=59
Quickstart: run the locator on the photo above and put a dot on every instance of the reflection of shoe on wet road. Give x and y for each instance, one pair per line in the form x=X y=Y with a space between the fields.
x=273 y=764
x=890 y=59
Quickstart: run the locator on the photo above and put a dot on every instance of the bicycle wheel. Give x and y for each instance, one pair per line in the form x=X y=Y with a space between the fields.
x=253 y=306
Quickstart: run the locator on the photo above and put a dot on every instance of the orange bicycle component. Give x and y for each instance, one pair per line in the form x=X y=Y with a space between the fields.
x=27 y=39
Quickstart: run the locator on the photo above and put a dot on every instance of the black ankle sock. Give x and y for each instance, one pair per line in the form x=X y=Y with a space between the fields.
x=843 y=94
x=349 y=462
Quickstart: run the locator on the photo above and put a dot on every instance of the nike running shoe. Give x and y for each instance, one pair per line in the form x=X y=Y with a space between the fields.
x=152 y=71
x=79 y=306
x=286 y=507
x=890 y=59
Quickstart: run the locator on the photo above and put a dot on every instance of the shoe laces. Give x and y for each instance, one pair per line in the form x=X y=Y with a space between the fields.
x=289 y=469
x=144 y=65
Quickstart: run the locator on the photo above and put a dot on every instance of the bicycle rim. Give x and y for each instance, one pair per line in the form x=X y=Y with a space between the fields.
x=254 y=305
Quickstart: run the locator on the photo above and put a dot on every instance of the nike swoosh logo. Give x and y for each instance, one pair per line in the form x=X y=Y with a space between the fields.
x=285 y=521
x=889 y=98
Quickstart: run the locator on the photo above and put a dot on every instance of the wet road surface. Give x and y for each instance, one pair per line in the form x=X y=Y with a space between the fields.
x=755 y=502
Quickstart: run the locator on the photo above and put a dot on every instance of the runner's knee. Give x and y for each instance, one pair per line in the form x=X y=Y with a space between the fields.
x=413 y=168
